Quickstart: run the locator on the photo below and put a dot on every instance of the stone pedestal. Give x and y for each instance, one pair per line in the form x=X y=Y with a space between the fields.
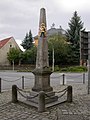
x=42 y=80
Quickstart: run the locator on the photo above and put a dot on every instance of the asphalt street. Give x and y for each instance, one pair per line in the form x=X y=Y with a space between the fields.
x=8 y=78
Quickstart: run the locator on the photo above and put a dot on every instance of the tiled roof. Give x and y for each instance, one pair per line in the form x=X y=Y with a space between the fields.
x=4 y=41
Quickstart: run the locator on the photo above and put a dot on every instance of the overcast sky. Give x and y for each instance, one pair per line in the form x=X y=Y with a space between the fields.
x=17 y=17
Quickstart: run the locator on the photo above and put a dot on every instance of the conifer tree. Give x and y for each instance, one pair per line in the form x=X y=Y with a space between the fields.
x=27 y=43
x=73 y=37
x=75 y=25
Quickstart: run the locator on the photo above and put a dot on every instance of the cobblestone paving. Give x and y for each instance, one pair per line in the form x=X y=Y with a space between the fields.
x=79 y=109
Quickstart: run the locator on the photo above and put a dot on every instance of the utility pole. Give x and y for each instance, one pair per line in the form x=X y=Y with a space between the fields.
x=13 y=65
x=53 y=61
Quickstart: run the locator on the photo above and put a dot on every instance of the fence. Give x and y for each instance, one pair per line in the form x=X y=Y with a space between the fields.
x=41 y=96
x=61 y=79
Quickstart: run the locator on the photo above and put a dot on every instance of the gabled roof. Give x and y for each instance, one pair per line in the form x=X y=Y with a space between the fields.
x=4 y=41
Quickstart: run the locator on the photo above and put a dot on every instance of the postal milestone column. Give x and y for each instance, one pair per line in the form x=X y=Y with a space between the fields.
x=42 y=71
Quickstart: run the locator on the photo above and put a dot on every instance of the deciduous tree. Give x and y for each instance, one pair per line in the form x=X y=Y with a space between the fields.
x=60 y=46
x=13 y=56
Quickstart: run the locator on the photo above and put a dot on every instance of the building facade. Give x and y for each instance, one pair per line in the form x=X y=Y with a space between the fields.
x=5 y=46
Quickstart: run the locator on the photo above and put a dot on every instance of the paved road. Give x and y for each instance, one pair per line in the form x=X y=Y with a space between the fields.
x=9 y=78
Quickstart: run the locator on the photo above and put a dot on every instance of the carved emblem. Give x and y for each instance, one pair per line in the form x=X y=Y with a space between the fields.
x=42 y=30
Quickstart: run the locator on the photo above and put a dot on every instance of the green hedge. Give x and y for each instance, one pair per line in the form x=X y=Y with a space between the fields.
x=71 y=69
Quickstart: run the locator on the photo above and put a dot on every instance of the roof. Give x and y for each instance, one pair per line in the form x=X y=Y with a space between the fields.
x=4 y=41
x=53 y=31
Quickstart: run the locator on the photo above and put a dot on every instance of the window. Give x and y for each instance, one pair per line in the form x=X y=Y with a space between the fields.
x=10 y=46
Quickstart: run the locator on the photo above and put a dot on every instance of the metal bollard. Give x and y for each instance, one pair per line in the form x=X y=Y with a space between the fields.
x=22 y=82
x=63 y=79
x=83 y=78
x=0 y=85
x=41 y=102
x=14 y=94
x=69 y=94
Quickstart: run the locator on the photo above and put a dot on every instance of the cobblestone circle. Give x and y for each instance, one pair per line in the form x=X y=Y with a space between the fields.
x=79 y=109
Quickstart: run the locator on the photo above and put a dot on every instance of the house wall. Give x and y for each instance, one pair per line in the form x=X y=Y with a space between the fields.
x=5 y=49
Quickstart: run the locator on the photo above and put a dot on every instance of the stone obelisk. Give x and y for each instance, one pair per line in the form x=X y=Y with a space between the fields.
x=42 y=72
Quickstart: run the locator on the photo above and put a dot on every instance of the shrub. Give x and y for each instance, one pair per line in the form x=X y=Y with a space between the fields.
x=77 y=69
x=57 y=68
x=64 y=69
x=74 y=69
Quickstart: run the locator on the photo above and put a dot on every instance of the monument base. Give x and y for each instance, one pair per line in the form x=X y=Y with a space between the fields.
x=42 y=83
x=42 y=80
x=49 y=101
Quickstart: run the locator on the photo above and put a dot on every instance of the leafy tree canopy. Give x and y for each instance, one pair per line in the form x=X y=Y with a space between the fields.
x=29 y=56
x=60 y=46
x=13 y=55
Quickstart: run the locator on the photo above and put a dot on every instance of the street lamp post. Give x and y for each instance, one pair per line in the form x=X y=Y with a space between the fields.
x=53 y=58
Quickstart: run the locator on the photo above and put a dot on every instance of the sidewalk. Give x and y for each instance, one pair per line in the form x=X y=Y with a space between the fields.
x=79 y=109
